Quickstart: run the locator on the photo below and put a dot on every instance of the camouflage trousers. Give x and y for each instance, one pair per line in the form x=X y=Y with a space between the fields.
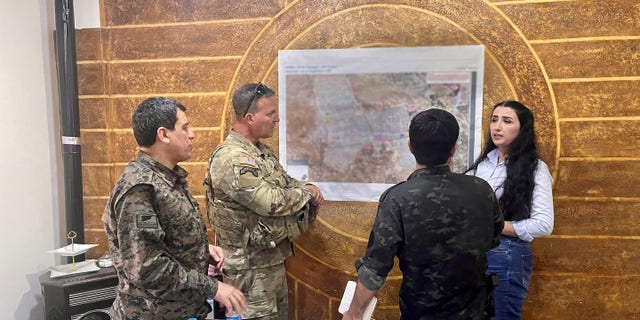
x=265 y=289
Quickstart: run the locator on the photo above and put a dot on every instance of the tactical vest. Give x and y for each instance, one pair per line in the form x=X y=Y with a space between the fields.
x=251 y=240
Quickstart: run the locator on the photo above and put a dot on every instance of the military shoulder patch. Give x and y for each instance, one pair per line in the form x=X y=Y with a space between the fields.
x=245 y=161
x=252 y=170
x=145 y=220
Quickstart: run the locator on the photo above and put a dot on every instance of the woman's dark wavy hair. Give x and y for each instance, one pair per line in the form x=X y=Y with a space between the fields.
x=522 y=163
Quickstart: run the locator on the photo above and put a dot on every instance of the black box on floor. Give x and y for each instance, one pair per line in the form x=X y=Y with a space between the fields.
x=84 y=296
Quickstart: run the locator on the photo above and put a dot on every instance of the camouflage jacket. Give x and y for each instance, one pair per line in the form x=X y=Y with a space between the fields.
x=158 y=240
x=440 y=226
x=253 y=205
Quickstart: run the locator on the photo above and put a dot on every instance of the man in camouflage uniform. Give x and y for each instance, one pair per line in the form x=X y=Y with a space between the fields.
x=440 y=225
x=254 y=207
x=156 y=233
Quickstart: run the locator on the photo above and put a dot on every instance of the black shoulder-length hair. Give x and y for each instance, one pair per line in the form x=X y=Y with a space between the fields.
x=522 y=162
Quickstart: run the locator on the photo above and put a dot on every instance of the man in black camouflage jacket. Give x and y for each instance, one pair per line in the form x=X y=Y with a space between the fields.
x=440 y=225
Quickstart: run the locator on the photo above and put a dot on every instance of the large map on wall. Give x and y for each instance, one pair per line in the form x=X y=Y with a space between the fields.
x=345 y=113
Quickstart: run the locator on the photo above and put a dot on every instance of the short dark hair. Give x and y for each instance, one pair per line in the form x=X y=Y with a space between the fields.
x=244 y=98
x=432 y=134
x=151 y=114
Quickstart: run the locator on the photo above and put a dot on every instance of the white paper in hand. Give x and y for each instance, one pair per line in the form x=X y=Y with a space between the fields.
x=347 y=296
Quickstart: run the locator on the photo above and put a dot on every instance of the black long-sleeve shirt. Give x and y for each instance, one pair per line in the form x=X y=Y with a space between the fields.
x=440 y=225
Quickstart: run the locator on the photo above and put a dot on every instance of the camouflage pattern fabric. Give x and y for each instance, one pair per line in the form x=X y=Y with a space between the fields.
x=440 y=226
x=158 y=240
x=253 y=206
x=259 y=283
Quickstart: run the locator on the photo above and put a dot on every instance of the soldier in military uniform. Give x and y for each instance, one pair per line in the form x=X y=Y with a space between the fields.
x=255 y=208
x=156 y=233
x=440 y=225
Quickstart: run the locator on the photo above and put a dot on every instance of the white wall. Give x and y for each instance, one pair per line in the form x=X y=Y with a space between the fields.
x=29 y=195
x=87 y=13
x=31 y=183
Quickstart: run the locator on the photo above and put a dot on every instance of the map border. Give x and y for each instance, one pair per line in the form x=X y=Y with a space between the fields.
x=380 y=60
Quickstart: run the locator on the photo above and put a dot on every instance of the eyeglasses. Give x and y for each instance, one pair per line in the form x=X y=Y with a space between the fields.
x=261 y=90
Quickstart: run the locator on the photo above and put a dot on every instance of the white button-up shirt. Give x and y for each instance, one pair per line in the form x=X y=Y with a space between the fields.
x=540 y=222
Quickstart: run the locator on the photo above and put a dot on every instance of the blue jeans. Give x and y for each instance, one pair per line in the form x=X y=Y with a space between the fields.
x=512 y=262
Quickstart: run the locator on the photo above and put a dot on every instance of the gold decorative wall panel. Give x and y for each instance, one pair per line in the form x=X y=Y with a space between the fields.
x=591 y=59
x=583 y=296
x=183 y=40
x=570 y=20
x=595 y=99
x=140 y=12
x=94 y=113
x=575 y=63
x=622 y=138
x=170 y=76
x=577 y=177
x=575 y=217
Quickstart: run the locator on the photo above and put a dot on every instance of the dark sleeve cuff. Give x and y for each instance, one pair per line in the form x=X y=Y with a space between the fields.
x=368 y=277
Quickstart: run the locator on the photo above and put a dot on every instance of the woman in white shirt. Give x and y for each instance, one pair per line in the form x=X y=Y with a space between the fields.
x=522 y=182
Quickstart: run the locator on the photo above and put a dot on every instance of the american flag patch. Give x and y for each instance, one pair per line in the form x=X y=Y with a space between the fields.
x=246 y=161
